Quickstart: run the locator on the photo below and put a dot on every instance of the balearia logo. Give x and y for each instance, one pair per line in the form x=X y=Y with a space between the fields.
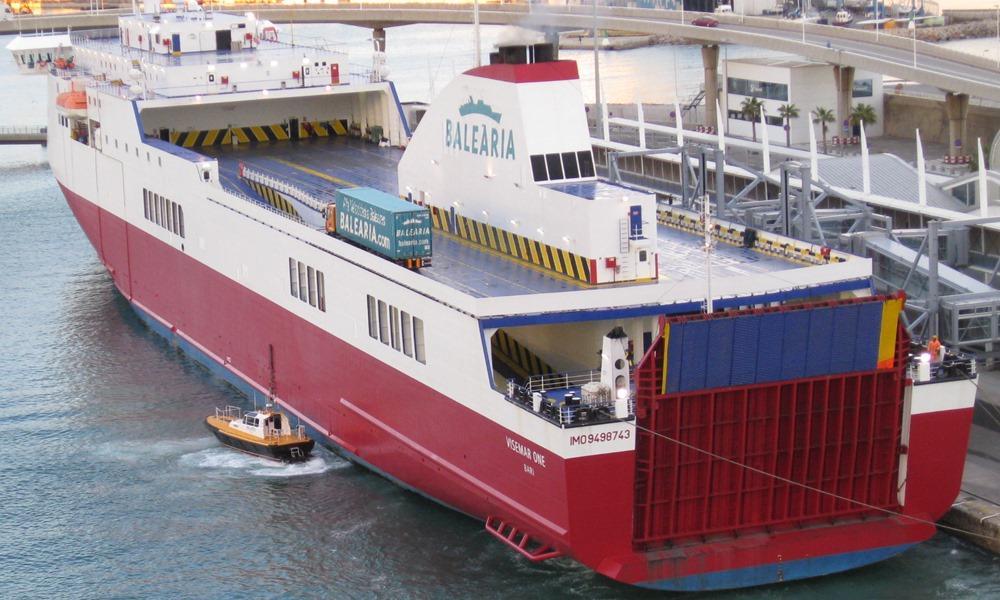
x=470 y=134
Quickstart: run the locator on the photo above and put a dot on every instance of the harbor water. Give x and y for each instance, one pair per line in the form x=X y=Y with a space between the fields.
x=111 y=487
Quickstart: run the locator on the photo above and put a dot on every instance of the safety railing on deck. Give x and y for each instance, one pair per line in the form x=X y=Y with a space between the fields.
x=229 y=413
x=310 y=198
x=571 y=408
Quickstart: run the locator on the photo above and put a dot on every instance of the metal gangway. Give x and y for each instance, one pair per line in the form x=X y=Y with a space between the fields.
x=27 y=136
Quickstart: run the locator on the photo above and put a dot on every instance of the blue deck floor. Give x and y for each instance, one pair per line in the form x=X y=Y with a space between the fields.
x=324 y=165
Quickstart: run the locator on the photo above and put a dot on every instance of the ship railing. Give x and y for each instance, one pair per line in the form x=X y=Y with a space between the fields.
x=276 y=183
x=570 y=410
x=229 y=413
x=298 y=432
x=953 y=366
x=261 y=204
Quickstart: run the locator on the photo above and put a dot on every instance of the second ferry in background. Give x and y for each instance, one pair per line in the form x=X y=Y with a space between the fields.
x=485 y=320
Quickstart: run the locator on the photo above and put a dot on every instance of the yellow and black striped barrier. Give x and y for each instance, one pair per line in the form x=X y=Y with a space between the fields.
x=273 y=198
x=545 y=256
x=258 y=133
x=206 y=137
x=786 y=250
x=520 y=361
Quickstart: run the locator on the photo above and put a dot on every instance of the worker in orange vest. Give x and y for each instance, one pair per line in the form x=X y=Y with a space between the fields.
x=935 y=348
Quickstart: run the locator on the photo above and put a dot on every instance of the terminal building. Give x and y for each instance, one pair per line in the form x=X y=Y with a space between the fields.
x=809 y=85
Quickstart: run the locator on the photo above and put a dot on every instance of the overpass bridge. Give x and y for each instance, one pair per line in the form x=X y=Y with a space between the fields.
x=29 y=136
x=959 y=74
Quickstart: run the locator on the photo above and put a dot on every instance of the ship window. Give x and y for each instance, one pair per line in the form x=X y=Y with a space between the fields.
x=555 y=166
x=320 y=292
x=312 y=285
x=145 y=203
x=293 y=277
x=156 y=208
x=372 y=318
x=394 y=327
x=303 y=283
x=586 y=163
x=538 y=167
x=180 y=220
x=407 y=333
x=418 y=340
x=383 y=322
x=569 y=165
x=173 y=218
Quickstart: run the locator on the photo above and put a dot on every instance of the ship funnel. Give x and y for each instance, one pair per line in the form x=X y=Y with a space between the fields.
x=523 y=54
x=614 y=363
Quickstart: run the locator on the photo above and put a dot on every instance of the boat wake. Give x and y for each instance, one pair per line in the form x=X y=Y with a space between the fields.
x=224 y=460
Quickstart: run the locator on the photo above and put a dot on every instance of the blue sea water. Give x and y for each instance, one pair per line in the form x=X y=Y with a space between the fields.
x=110 y=487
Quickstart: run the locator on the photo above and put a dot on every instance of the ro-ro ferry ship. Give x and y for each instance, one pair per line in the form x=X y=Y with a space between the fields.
x=552 y=370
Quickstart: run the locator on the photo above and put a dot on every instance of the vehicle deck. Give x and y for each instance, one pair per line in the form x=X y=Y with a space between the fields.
x=326 y=164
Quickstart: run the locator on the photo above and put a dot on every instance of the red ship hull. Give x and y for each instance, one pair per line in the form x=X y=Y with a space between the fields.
x=583 y=507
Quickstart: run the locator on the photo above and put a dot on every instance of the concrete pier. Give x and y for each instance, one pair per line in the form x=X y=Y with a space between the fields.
x=844 y=78
x=957 y=107
x=710 y=60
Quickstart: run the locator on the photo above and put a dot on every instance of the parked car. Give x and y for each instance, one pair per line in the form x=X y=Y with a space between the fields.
x=705 y=22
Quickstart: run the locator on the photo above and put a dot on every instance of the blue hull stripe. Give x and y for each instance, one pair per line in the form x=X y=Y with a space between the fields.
x=776 y=572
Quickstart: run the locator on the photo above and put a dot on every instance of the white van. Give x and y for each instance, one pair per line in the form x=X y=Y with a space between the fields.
x=724 y=9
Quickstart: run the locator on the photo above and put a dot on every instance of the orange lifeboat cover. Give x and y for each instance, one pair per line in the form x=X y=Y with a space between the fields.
x=72 y=100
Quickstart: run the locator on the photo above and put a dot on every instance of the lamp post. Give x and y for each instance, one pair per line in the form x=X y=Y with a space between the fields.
x=913 y=28
x=802 y=15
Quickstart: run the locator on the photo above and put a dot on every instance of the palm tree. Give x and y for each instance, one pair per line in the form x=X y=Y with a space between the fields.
x=863 y=113
x=750 y=109
x=788 y=112
x=823 y=116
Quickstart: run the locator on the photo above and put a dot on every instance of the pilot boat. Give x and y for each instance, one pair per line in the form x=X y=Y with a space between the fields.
x=267 y=433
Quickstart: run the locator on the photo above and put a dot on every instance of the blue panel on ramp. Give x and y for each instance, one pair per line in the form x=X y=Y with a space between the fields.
x=821 y=340
x=845 y=327
x=720 y=353
x=694 y=355
x=793 y=363
x=745 y=351
x=866 y=340
x=769 y=349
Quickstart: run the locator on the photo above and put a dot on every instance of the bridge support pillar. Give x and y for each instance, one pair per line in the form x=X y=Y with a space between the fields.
x=710 y=61
x=957 y=107
x=844 y=79
x=378 y=39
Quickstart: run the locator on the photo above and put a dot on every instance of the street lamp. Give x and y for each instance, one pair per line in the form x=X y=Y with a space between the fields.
x=913 y=28
x=802 y=15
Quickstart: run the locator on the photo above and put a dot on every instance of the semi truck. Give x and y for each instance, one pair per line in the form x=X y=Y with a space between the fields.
x=383 y=224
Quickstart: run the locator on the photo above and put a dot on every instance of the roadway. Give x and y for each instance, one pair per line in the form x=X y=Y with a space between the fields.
x=888 y=54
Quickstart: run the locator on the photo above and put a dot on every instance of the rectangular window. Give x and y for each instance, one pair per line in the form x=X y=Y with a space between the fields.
x=394 y=327
x=145 y=203
x=180 y=219
x=293 y=277
x=407 y=333
x=372 y=318
x=173 y=216
x=303 y=283
x=555 y=166
x=569 y=165
x=320 y=291
x=156 y=207
x=586 y=163
x=538 y=167
x=383 y=323
x=862 y=88
x=418 y=341
x=312 y=285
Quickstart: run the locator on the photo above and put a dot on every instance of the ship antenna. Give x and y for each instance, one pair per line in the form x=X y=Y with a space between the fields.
x=271 y=384
x=707 y=218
